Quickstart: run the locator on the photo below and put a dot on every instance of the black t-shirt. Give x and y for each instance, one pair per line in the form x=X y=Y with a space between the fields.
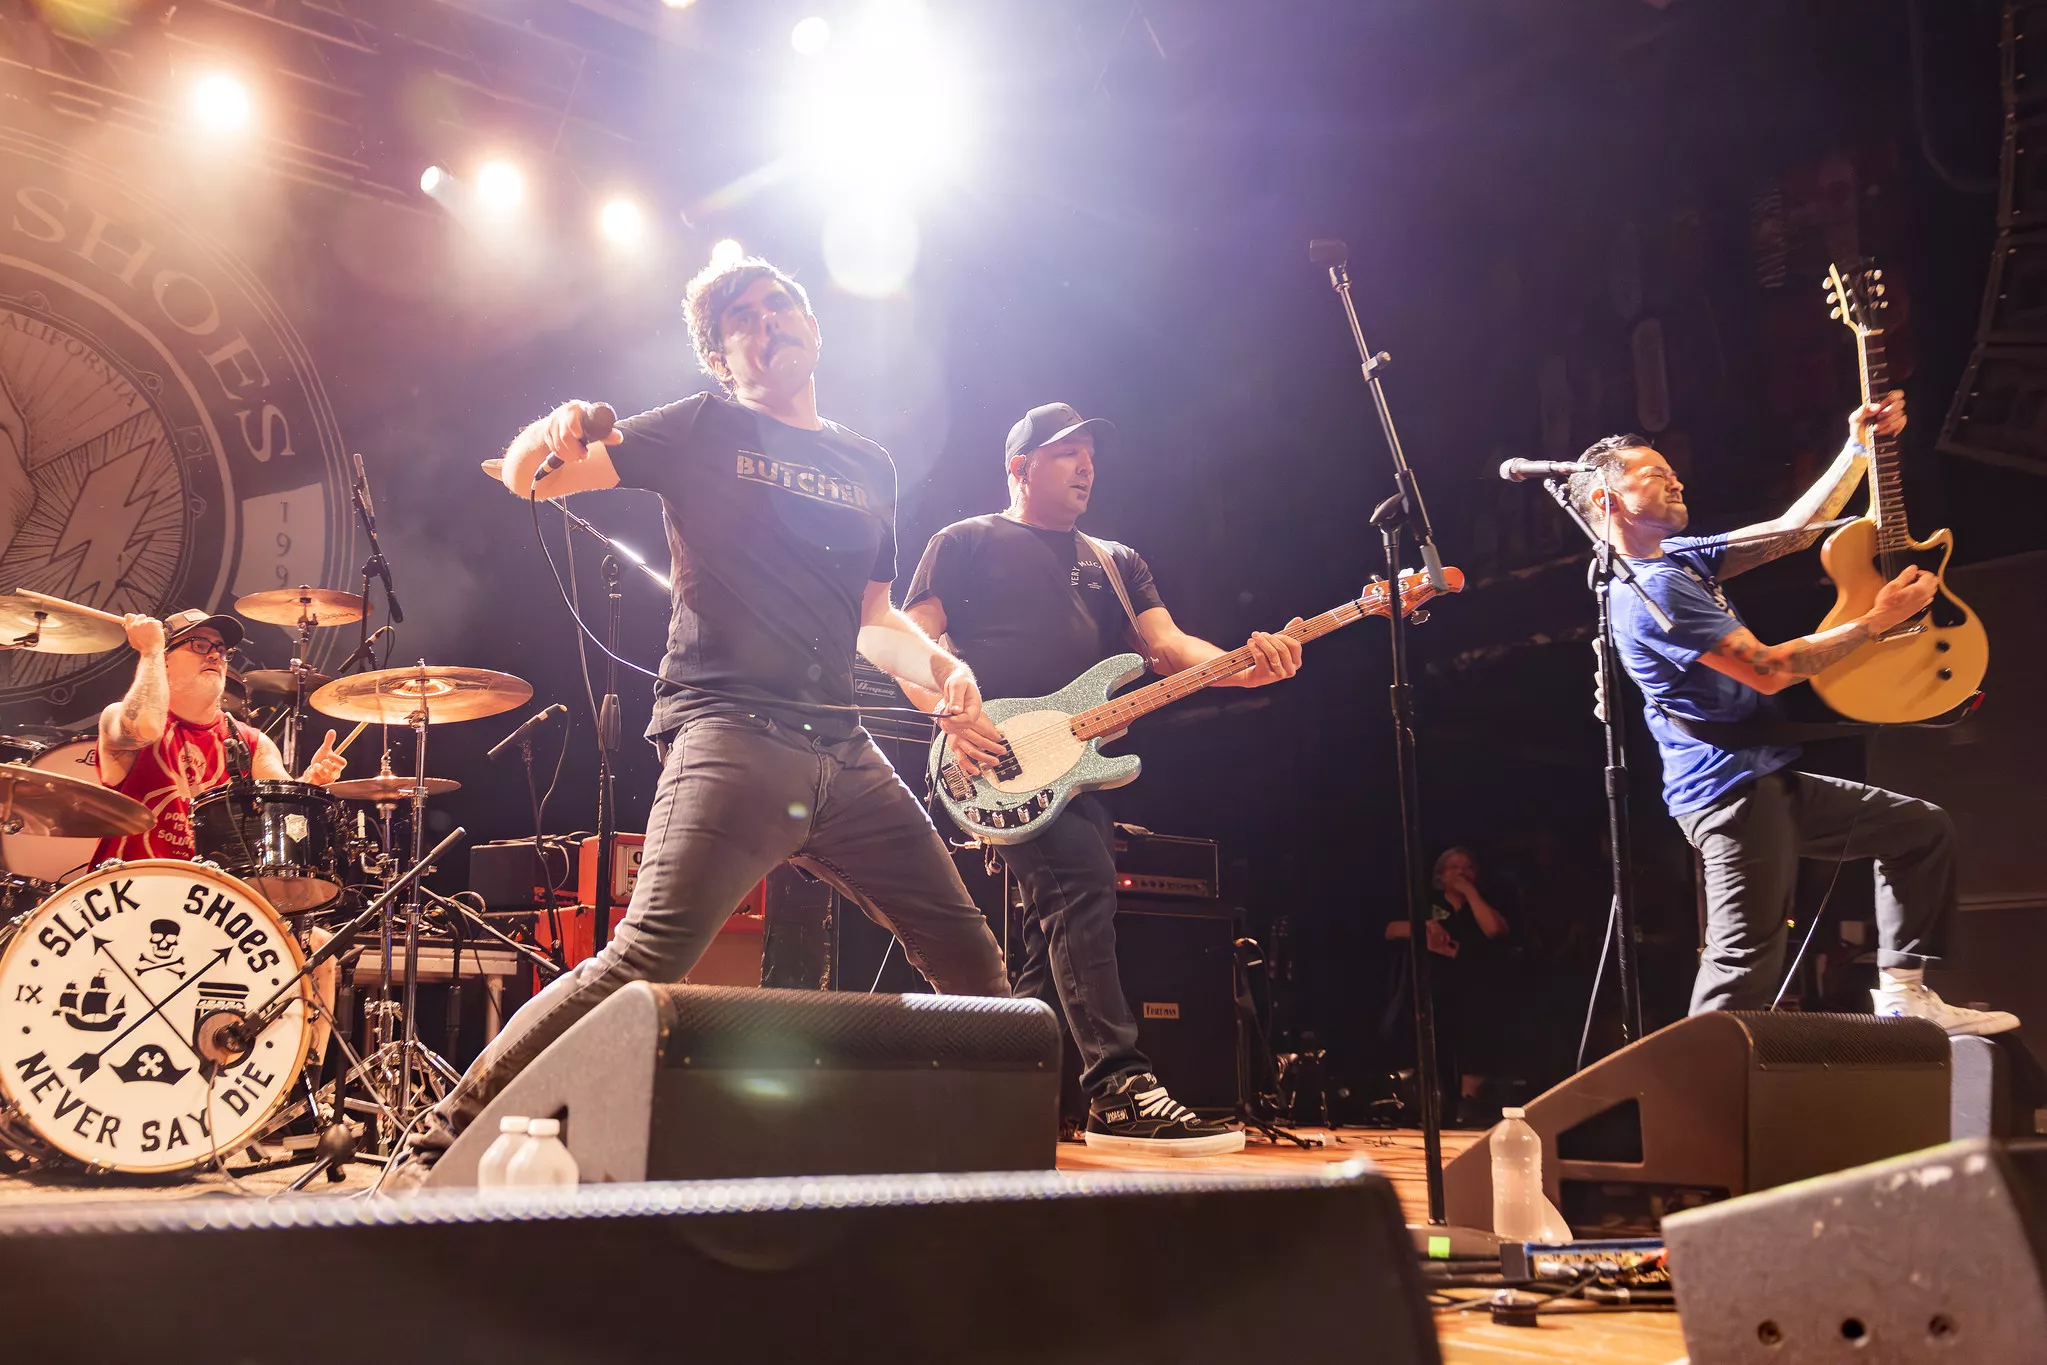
x=775 y=533
x=1029 y=609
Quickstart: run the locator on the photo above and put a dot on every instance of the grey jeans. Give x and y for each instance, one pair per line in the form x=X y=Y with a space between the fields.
x=738 y=795
x=1751 y=841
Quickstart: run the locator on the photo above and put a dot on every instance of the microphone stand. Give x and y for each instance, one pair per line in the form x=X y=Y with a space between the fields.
x=558 y=950
x=1398 y=516
x=607 y=760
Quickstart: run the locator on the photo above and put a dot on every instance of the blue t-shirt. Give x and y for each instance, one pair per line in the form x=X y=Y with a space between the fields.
x=1665 y=665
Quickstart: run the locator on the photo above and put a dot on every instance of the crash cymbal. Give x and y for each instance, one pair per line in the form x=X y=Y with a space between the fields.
x=391 y=696
x=51 y=625
x=268 y=686
x=291 y=606
x=53 y=805
x=389 y=787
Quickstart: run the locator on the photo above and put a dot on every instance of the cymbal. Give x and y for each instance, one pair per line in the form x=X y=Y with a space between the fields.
x=268 y=685
x=391 y=696
x=291 y=606
x=53 y=805
x=66 y=627
x=389 y=787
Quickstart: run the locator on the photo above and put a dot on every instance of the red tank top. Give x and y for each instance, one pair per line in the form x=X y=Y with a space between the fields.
x=199 y=752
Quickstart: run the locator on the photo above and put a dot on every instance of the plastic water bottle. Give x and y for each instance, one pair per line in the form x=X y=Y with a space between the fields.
x=1518 y=1201
x=543 y=1161
x=490 y=1170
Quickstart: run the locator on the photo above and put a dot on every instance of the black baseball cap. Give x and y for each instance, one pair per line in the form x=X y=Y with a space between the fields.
x=1047 y=423
x=180 y=625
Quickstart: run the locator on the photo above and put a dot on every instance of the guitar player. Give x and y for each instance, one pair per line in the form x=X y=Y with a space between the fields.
x=1029 y=605
x=1739 y=798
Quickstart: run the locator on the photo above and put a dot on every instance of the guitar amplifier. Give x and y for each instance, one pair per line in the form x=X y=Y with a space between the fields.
x=873 y=691
x=1165 y=866
x=625 y=868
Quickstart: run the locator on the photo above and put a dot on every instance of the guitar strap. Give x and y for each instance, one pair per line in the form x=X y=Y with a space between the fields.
x=1115 y=577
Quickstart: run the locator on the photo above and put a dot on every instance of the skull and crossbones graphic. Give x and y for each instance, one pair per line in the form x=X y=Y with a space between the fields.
x=162 y=953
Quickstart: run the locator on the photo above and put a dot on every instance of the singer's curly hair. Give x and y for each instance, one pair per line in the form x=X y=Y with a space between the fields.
x=1608 y=458
x=712 y=292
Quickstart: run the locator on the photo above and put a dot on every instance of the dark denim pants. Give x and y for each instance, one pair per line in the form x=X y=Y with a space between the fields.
x=1068 y=876
x=1751 y=841
x=738 y=795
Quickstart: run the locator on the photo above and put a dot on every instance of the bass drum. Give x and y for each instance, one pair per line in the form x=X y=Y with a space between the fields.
x=39 y=856
x=106 y=991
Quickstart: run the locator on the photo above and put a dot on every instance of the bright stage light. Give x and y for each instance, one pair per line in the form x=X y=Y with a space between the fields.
x=222 y=103
x=810 y=36
x=870 y=247
x=728 y=252
x=499 y=186
x=886 y=110
x=622 y=223
x=433 y=180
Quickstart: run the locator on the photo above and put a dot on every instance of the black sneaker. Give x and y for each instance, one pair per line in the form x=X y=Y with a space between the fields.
x=1139 y=1116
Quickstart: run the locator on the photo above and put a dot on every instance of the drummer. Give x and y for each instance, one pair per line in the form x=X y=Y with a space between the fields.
x=168 y=740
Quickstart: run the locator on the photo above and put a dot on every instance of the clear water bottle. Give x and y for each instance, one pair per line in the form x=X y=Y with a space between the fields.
x=490 y=1170
x=1518 y=1202
x=543 y=1161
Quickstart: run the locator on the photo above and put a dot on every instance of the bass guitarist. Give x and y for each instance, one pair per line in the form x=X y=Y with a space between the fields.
x=1706 y=682
x=1029 y=604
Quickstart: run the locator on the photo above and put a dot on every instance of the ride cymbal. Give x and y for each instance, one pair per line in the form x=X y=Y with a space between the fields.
x=53 y=805
x=389 y=787
x=293 y=606
x=393 y=696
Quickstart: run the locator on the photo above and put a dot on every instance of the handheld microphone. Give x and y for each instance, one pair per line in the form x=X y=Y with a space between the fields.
x=1515 y=471
x=526 y=727
x=1328 y=251
x=597 y=424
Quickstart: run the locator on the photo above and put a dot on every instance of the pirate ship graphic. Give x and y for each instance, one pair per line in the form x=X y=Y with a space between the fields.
x=87 y=1009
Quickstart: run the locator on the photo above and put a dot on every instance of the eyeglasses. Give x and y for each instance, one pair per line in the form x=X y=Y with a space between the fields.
x=207 y=649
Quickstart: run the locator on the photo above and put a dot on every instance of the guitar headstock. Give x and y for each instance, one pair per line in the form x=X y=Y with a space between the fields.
x=1415 y=589
x=1856 y=295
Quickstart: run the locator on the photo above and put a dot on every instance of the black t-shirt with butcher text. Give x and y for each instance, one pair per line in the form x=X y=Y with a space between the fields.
x=1029 y=609
x=775 y=533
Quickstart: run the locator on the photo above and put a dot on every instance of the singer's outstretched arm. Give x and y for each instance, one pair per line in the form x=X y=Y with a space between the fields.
x=1825 y=499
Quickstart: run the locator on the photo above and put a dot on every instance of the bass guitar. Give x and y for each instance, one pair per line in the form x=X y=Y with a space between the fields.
x=1054 y=743
x=1933 y=663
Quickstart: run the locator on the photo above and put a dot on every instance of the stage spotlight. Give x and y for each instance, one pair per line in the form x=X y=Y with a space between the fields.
x=727 y=252
x=499 y=186
x=221 y=102
x=433 y=180
x=884 y=111
x=621 y=222
x=810 y=36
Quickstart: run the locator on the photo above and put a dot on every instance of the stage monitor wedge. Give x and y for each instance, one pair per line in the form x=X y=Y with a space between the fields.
x=718 y=1082
x=1010 y=1269
x=1720 y=1105
x=1934 y=1258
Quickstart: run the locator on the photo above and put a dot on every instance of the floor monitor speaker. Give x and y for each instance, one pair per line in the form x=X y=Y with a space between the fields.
x=1720 y=1105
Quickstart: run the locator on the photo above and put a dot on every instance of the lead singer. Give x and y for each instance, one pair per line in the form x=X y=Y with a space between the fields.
x=782 y=529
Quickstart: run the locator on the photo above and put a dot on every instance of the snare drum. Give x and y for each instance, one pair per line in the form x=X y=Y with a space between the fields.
x=104 y=992
x=285 y=838
x=40 y=856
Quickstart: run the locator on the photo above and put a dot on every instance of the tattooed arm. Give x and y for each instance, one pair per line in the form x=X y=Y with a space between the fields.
x=1772 y=668
x=1825 y=499
x=138 y=719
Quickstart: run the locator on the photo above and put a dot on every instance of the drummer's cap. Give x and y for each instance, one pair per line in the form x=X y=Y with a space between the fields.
x=181 y=624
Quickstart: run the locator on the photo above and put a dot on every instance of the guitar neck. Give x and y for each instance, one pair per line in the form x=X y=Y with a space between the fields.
x=1886 y=490
x=1117 y=713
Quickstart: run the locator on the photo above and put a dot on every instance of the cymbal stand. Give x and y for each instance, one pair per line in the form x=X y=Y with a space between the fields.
x=295 y=719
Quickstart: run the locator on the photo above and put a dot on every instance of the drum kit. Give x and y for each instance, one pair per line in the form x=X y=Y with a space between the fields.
x=161 y=1015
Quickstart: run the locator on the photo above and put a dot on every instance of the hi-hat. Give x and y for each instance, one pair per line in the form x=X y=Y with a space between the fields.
x=389 y=787
x=51 y=625
x=55 y=806
x=393 y=696
x=270 y=685
x=298 y=606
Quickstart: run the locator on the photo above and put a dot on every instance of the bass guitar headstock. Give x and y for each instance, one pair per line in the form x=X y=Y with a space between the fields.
x=1415 y=589
x=1856 y=295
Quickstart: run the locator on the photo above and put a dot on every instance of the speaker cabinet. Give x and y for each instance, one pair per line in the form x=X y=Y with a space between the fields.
x=1931 y=1257
x=1176 y=970
x=1720 y=1105
x=989 y=1269
x=708 y=1082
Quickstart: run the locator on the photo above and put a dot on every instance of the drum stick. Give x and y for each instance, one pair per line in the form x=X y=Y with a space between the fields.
x=78 y=607
x=342 y=747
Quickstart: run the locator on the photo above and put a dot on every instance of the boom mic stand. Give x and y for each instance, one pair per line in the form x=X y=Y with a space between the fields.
x=1399 y=515
x=607 y=762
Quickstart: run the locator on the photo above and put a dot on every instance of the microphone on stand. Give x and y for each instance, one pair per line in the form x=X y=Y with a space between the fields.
x=526 y=727
x=361 y=485
x=1515 y=471
x=362 y=488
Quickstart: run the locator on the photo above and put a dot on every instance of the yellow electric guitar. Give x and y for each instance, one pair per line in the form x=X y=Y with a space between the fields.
x=1933 y=663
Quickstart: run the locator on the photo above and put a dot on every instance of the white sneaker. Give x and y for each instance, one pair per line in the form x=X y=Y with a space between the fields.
x=1917 y=1002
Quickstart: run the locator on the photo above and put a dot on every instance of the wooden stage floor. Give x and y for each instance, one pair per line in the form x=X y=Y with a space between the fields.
x=1641 y=1338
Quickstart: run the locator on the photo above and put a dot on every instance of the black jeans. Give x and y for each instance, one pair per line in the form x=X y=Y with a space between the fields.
x=1068 y=876
x=1751 y=841
x=738 y=795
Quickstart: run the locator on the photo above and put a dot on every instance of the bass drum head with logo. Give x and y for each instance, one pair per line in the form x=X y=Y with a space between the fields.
x=52 y=860
x=103 y=992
